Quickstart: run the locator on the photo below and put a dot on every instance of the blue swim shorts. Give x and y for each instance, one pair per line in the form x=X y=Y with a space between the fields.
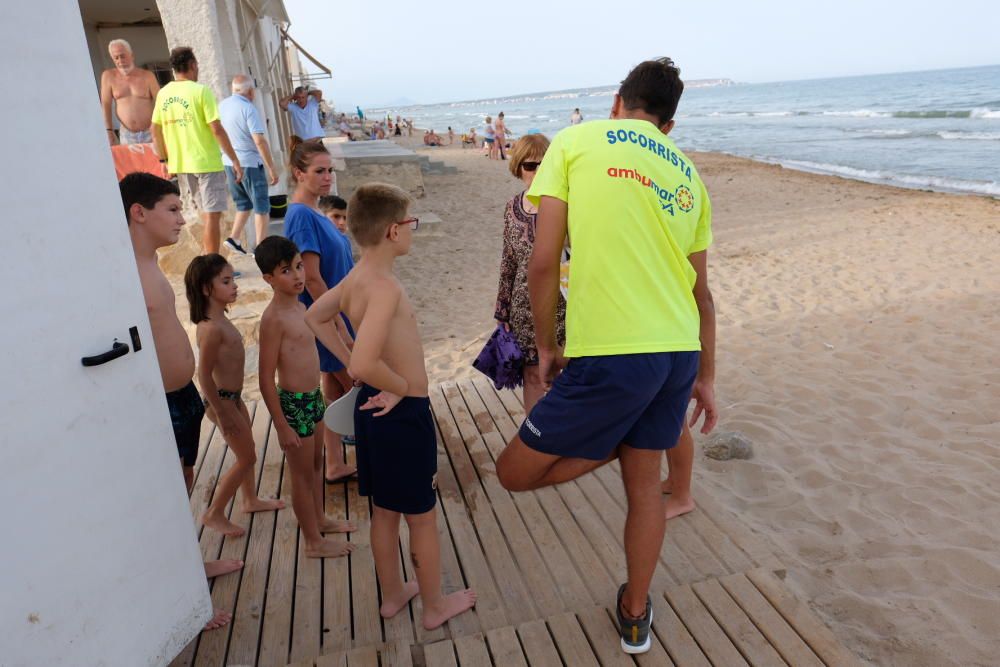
x=251 y=192
x=397 y=454
x=598 y=403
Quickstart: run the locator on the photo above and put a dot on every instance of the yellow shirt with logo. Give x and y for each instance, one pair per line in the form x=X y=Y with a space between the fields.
x=636 y=211
x=184 y=109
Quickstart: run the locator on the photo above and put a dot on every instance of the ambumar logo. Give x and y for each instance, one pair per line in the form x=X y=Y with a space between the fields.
x=532 y=428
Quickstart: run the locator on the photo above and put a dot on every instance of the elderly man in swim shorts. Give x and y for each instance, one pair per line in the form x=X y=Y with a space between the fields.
x=132 y=90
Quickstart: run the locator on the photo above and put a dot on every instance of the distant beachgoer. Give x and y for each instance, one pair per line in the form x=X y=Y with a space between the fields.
x=398 y=132
x=638 y=307
x=304 y=113
x=327 y=258
x=500 y=128
x=133 y=91
x=409 y=127
x=248 y=134
x=513 y=308
x=431 y=138
x=451 y=136
x=211 y=289
x=344 y=127
x=289 y=375
x=470 y=139
x=361 y=115
x=188 y=134
x=153 y=215
x=576 y=117
x=489 y=140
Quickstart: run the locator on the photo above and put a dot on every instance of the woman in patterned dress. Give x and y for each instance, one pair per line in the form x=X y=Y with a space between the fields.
x=513 y=309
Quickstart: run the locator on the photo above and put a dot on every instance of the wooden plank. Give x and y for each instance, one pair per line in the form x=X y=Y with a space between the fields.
x=604 y=638
x=505 y=647
x=250 y=606
x=713 y=641
x=539 y=648
x=489 y=607
x=674 y=637
x=476 y=425
x=770 y=623
x=472 y=651
x=335 y=659
x=571 y=641
x=566 y=578
x=307 y=605
x=363 y=657
x=740 y=629
x=336 y=581
x=819 y=637
x=440 y=654
x=514 y=594
x=276 y=629
x=364 y=587
x=397 y=654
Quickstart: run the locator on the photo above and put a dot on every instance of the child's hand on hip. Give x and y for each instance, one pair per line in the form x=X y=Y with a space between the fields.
x=386 y=400
x=288 y=438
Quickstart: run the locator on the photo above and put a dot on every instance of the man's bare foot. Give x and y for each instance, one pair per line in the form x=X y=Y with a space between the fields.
x=220 y=619
x=340 y=472
x=327 y=548
x=217 y=568
x=450 y=606
x=222 y=524
x=392 y=606
x=676 y=508
x=328 y=525
x=667 y=486
x=264 y=505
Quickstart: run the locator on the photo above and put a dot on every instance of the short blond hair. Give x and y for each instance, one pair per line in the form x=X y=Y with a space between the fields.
x=373 y=207
x=527 y=147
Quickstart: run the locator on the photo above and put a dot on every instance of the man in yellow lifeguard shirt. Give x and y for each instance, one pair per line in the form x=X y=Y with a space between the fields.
x=639 y=221
x=187 y=134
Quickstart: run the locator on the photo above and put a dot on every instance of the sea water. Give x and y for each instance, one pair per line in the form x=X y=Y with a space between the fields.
x=937 y=130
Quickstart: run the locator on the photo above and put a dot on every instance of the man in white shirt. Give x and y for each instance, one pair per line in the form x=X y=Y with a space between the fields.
x=303 y=107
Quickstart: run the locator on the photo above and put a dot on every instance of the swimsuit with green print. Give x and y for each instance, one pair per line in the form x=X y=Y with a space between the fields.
x=303 y=410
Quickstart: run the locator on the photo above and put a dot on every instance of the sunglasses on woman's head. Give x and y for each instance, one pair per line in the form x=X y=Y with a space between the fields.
x=530 y=166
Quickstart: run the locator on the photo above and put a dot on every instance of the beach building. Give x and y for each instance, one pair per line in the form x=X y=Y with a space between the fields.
x=229 y=37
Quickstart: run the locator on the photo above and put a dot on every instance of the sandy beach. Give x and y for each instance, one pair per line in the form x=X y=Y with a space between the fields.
x=857 y=347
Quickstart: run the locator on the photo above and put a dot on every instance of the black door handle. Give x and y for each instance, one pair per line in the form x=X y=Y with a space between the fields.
x=117 y=350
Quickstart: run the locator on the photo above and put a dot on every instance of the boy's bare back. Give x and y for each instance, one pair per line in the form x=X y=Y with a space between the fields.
x=366 y=290
x=298 y=359
x=173 y=349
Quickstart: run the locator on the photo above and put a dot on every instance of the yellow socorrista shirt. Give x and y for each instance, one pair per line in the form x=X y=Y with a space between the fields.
x=184 y=109
x=637 y=209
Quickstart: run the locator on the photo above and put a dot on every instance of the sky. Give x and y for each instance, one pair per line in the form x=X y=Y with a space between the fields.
x=390 y=53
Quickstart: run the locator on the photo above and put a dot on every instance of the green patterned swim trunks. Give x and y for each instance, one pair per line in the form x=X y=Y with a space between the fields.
x=303 y=410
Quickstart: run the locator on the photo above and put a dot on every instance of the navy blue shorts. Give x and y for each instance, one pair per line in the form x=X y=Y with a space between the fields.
x=397 y=454
x=186 y=411
x=251 y=192
x=598 y=403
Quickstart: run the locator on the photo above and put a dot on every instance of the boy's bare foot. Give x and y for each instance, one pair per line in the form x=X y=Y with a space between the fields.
x=676 y=508
x=667 y=486
x=222 y=524
x=450 y=606
x=340 y=473
x=392 y=606
x=263 y=505
x=220 y=619
x=327 y=548
x=217 y=568
x=328 y=525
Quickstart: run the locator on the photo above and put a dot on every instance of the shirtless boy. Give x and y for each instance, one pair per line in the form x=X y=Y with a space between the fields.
x=153 y=213
x=288 y=349
x=133 y=91
x=397 y=455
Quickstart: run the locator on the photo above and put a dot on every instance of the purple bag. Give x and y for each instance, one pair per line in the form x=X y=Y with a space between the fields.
x=501 y=360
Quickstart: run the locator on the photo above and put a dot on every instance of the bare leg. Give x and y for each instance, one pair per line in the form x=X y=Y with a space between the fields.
x=260 y=223
x=534 y=388
x=335 y=385
x=300 y=464
x=248 y=487
x=644 y=525
x=240 y=443
x=210 y=235
x=385 y=549
x=188 y=476
x=425 y=554
x=521 y=468
x=239 y=222
x=680 y=460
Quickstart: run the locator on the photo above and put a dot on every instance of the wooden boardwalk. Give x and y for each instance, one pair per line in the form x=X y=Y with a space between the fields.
x=545 y=564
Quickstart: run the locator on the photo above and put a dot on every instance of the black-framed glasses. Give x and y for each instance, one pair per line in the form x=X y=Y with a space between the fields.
x=530 y=166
